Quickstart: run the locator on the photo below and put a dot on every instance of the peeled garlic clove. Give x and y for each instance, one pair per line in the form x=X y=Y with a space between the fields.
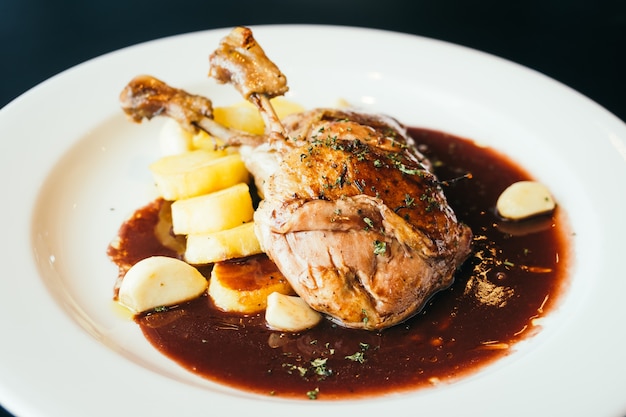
x=289 y=313
x=173 y=139
x=160 y=281
x=525 y=199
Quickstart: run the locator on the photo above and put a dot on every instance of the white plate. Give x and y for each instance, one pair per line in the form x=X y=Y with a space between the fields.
x=73 y=168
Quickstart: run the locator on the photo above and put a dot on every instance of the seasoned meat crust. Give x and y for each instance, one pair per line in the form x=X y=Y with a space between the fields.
x=351 y=214
x=147 y=97
x=240 y=61
x=356 y=221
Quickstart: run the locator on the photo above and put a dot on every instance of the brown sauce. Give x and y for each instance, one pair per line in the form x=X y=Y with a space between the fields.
x=515 y=275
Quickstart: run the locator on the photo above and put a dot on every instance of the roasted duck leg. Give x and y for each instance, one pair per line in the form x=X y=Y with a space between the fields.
x=240 y=61
x=351 y=214
x=145 y=97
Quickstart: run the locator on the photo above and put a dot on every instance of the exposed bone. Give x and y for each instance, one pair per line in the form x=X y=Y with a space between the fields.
x=230 y=136
x=304 y=221
x=273 y=125
x=147 y=97
x=241 y=62
x=340 y=242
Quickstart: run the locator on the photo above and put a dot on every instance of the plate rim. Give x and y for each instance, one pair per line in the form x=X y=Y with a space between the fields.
x=12 y=395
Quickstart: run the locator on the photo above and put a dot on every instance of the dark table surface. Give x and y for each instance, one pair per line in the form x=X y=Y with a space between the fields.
x=581 y=43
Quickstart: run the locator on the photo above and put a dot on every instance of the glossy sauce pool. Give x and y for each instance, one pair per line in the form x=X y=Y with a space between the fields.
x=515 y=276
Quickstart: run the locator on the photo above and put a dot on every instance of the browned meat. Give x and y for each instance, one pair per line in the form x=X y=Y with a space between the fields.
x=352 y=214
x=356 y=222
x=145 y=97
x=240 y=61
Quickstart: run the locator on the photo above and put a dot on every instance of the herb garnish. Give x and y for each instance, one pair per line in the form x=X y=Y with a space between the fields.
x=403 y=168
x=313 y=394
x=380 y=248
x=359 y=356
x=319 y=367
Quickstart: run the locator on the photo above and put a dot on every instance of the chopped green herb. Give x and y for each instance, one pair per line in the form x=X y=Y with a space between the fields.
x=319 y=367
x=408 y=171
x=291 y=368
x=357 y=357
x=313 y=394
x=360 y=355
x=380 y=248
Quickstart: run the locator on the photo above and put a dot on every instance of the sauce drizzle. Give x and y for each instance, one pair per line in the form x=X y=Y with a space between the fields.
x=516 y=274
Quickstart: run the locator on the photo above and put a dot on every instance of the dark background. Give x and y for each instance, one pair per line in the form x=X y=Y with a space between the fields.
x=581 y=43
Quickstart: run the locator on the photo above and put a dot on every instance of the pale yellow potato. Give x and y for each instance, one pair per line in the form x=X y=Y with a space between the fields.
x=160 y=281
x=202 y=140
x=175 y=139
x=220 y=210
x=197 y=172
x=245 y=117
x=290 y=313
x=243 y=286
x=284 y=107
x=238 y=242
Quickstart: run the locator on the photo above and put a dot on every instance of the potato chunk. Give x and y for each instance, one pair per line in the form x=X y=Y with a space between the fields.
x=240 y=117
x=243 y=285
x=202 y=140
x=197 y=172
x=213 y=212
x=245 y=117
x=238 y=242
x=525 y=199
x=160 y=281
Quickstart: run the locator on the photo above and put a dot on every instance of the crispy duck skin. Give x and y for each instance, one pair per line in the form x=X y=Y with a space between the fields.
x=145 y=97
x=351 y=214
x=239 y=60
x=356 y=221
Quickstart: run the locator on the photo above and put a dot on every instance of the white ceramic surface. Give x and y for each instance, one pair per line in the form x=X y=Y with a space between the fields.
x=73 y=168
